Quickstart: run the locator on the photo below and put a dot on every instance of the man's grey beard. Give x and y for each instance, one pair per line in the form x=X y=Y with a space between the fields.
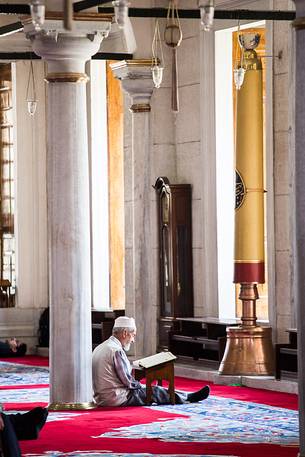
x=126 y=347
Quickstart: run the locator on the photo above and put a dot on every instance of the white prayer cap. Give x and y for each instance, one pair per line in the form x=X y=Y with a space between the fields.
x=124 y=322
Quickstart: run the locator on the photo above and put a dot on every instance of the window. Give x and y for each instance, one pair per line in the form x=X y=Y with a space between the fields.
x=7 y=236
x=107 y=188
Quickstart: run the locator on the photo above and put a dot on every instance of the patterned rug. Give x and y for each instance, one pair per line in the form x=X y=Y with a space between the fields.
x=216 y=420
x=33 y=395
x=219 y=426
x=13 y=374
x=222 y=420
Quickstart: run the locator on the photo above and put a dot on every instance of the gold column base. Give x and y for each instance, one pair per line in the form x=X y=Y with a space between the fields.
x=71 y=406
x=248 y=352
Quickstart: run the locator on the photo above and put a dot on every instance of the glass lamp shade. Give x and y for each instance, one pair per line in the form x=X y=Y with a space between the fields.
x=249 y=41
x=239 y=75
x=172 y=35
x=157 y=75
x=207 y=17
x=32 y=105
x=120 y=12
x=37 y=13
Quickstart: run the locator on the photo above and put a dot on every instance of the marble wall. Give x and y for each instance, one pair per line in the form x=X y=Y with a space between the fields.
x=183 y=148
x=31 y=227
x=283 y=135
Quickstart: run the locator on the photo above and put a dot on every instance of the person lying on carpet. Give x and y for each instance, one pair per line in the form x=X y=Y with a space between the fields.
x=113 y=383
x=12 y=348
x=15 y=427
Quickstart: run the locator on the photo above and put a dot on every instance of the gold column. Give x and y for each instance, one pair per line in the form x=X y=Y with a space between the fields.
x=249 y=347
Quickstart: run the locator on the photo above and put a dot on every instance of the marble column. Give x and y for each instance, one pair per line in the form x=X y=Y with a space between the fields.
x=68 y=216
x=300 y=209
x=137 y=81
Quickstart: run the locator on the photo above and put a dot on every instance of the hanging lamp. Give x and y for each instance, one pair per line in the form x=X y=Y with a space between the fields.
x=207 y=9
x=239 y=71
x=121 y=12
x=31 y=98
x=38 y=9
x=157 y=57
x=173 y=39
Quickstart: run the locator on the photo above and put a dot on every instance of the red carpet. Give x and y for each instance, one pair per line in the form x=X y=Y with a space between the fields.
x=24 y=386
x=76 y=432
x=271 y=398
x=65 y=437
x=266 y=397
x=35 y=360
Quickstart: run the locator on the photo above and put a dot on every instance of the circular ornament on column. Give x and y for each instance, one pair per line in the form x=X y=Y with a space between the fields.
x=240 y=190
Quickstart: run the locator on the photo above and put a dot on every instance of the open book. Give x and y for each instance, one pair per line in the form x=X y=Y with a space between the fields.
x=156 y=359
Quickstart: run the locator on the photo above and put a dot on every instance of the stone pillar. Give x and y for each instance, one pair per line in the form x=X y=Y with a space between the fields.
x=137 y=82
x=68 y=217
x=300 y=209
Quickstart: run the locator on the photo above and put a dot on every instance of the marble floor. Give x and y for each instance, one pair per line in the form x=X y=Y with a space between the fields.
x=196 y=370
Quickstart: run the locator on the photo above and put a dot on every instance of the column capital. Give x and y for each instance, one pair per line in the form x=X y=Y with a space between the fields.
x=136 y=79
x=67 y=52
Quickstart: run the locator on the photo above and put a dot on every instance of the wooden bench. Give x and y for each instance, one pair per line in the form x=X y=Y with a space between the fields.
x=102 y=324
x=158 y=373
x=286 y=357
x=201 y=338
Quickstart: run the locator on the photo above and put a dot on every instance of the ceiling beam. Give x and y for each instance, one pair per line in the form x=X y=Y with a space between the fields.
x=112 y=56
x=13 y=56
x=21 y=8
x=11 y=28
x=271 y=15
x=14 y=8
x=85 y=4
x=257 y=15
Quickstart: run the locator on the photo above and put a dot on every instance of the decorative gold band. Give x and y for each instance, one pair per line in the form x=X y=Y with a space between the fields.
x=67 y=78
x=248 y=261
x=69 y=406
x=256 y=331
x=255 y=190
x=82 y=16
x=140 y=108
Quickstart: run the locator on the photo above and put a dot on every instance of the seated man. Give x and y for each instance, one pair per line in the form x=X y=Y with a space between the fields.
x=14 y=427
x=113 y=383
x=12 y=348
